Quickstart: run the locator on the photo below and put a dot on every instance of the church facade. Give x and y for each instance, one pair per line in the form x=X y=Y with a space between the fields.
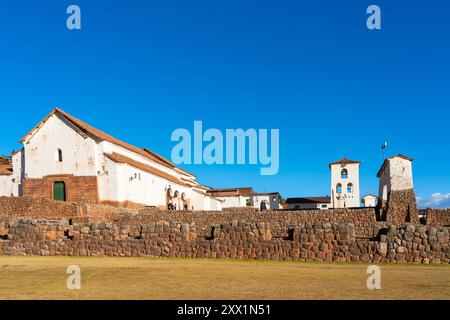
x=65 y=159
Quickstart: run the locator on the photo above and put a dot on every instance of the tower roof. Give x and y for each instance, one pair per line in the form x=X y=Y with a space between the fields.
x=383 y=167
x=345 y=161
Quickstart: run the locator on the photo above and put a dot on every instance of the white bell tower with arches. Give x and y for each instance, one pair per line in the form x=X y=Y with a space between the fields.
x=345 y=184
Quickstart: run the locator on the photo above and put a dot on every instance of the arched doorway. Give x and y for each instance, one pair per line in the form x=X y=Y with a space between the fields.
x=183 y=202
x=169 y=198
x=176 y=200
x=264 y=205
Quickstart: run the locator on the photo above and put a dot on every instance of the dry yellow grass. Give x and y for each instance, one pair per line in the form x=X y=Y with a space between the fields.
x=130 y=278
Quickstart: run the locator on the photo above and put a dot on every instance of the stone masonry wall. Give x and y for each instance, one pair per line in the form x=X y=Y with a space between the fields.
x=44 y=208
x=240 y=239
x=401 y=207
x=438 y=217
x=363 y=219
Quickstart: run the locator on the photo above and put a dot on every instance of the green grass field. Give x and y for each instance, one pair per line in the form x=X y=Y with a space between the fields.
x=133 y=278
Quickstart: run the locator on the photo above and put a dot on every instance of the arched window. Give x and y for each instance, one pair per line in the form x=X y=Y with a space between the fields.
x=350 y=188
x=60 y=155
x=344 y=174
x=339 y=188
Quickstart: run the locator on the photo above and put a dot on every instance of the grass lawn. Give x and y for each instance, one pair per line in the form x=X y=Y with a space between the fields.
x=135 y=278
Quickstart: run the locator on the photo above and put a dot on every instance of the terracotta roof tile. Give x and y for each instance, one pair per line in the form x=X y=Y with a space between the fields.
x=309 y=200
x=231 y=192
x=118 y=158
x=102 y=136
x=6 y=169
x=345 y=161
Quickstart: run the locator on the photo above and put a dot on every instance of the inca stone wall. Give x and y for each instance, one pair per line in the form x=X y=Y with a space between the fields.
x=30 y=226
x=44 y=208
x=401 y=207
x=438 y=217
x=241 y=240
x=364 y=219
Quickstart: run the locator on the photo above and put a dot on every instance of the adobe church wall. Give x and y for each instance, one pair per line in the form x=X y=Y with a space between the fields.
x=78 y=189
x=238 y=240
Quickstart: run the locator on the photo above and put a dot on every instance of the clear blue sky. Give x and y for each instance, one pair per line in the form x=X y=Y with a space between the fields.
x=140 y=69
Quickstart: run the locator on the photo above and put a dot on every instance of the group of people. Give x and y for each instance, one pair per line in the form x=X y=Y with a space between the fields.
x=173 y=206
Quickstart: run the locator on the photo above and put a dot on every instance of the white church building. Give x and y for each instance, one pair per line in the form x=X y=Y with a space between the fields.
x=65 y=159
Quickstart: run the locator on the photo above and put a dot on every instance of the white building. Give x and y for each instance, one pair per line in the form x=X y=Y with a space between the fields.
x=395 y=175
x=6 y=179
x=370 y=201
x=66 y=159
x=345 y=183
x=246 y=197
x=321 y=203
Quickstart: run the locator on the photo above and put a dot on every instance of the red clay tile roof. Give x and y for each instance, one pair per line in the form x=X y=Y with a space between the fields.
x=101 y=136
x=161 y=160
x=6 y=169
x=344 y=161
x=230 y=192
x=118 y=158
x=370 y=195
x=383 y=167
x=309 y=200
x=16 y=152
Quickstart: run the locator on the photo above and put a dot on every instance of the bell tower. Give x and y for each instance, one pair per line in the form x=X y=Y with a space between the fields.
x=345 y=183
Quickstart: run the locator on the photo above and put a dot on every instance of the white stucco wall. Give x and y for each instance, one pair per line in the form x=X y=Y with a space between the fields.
x=107 y=147
x=305 y=206
x=83 y=156
x=197 y=201
x=231 y=202
x=240 y=201
x=128 y=183
x=348 y=200
x=18 y=162
x=396 y=176
x=272 y=201
x=401 y=174
x=370 y=201
x=216 y=204
x=6 y=186
x=41 y=151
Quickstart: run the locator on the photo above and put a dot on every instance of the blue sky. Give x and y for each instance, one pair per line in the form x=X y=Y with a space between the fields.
x=140 y=69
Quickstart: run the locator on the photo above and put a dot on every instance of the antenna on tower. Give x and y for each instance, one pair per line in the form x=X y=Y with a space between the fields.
x=383 y=149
